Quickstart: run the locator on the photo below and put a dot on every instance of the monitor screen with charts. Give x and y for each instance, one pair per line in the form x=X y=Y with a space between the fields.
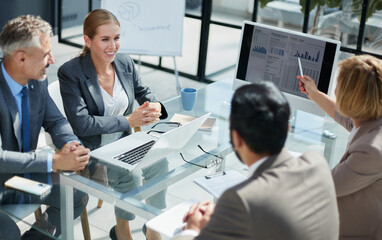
x=271 y=54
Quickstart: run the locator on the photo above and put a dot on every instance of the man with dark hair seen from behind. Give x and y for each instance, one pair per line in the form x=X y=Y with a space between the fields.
x=25 y=107
x=285 y=197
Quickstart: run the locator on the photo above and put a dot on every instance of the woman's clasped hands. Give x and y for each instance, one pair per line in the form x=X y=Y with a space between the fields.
x=145 y=114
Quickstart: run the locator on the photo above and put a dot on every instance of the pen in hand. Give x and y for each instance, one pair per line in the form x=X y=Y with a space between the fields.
x=299 y=65
x=302 y=88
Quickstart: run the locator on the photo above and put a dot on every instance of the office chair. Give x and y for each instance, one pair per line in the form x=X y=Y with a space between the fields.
x=54 y=92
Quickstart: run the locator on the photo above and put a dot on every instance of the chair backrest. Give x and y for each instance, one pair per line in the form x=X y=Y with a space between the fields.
x=55 y=94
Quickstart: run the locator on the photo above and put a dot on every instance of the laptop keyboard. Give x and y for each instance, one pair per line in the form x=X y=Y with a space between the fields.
x=134 y=155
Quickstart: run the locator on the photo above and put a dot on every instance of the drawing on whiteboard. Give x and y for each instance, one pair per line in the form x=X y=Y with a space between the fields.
x=129 y=10
x=149 y=27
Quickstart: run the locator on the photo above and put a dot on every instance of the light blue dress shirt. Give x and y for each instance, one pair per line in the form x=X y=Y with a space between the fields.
x=17 y=96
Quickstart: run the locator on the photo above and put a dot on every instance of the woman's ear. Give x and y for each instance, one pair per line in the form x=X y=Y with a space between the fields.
x=87 y=41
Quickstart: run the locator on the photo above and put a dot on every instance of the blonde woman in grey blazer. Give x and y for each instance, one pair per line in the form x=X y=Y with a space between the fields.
x=98 y=90
x=358 y=176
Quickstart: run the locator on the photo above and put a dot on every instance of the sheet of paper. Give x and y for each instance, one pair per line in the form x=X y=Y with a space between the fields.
x=218 y=183
x=170 y=223
x=183 y=119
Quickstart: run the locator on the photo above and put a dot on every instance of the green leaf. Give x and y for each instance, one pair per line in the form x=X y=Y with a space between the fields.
x=356 y=5
x=313 y=3
x=263 y=3
x=321 y=2
x=333 y=3
x=373 y=5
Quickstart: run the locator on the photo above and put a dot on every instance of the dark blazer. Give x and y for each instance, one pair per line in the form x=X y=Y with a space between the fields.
x=286 y=198
x=83 y=103
x=358 y=182
x=43 y=113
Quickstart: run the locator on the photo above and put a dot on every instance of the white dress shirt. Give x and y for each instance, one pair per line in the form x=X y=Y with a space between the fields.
x=114 y=105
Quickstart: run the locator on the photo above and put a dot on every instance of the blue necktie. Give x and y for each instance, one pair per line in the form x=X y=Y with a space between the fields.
x=25 y=131
x=25 y=134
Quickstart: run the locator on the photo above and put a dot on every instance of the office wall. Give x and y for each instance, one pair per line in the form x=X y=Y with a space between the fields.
x=12 y=8
x=74 y=12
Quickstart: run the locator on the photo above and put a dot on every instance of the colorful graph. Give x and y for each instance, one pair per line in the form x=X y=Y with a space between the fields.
x=306 y=55
x=260 y=49
x=278 y=51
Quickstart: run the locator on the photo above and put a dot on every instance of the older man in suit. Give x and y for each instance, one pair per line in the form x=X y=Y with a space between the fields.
x=25 y=107
x=285 y=197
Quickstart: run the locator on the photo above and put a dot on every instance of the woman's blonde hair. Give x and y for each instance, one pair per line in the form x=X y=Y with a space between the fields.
x=359 y=88
x=93 y=20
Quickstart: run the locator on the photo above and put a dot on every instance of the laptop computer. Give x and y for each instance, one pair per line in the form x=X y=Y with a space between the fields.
x=140 y=150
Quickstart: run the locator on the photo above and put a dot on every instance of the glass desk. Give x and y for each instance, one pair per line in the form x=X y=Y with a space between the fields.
x=306 y=133
x=18 y=205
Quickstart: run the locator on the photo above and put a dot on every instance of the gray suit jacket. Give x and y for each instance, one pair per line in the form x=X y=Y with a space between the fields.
x=286 y=198
x=358 y=182
x=83 y=103
x=43 y=113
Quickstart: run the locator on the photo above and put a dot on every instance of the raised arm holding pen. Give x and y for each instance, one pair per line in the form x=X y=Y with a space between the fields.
x=309 y=87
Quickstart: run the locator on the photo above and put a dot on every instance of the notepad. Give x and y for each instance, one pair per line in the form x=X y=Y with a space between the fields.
x=183 y=119
x=170 y=223
x=217 y=183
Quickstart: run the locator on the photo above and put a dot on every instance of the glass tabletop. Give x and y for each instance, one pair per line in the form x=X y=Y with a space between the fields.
x=114 y=184
x=25 y=206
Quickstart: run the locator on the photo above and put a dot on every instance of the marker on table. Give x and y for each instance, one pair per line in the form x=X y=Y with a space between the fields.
x=299 y=65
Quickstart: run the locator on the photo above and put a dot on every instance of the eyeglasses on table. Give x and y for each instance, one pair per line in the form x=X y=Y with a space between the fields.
x=218 y=159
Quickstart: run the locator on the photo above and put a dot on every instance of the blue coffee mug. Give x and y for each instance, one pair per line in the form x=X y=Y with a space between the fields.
x=188 y=96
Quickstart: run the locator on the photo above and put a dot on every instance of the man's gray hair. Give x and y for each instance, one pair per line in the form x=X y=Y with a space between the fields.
x=22 y=32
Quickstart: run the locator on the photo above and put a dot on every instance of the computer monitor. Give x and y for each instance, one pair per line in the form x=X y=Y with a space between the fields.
x=270 y=53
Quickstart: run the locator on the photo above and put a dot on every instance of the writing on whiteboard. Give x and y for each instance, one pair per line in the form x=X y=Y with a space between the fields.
x=153 y=28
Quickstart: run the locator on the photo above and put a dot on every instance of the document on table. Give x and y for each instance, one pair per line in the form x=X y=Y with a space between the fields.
x=183 y=119
x=217 y=183
x=170 y=223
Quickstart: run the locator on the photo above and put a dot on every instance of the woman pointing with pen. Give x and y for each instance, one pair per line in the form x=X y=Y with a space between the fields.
x=358 y=175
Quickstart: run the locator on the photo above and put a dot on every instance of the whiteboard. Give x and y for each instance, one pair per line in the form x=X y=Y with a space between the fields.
x=149 y=27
